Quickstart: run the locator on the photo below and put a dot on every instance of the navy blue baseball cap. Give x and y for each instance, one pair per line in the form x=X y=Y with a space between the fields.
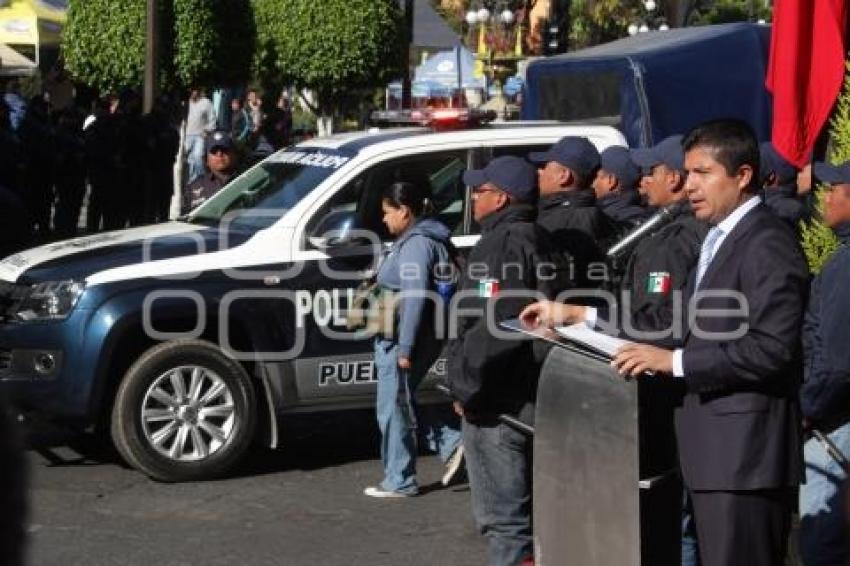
x=219 y=139
x=574 y=152
x=833 y=174
x=514 y=175
x=772 y=162
x=617 y=160
x=667 y=152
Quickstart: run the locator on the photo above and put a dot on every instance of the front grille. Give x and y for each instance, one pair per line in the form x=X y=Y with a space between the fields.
x=5 y=360
x=10 y=297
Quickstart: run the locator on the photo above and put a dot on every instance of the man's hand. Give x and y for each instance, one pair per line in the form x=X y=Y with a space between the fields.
x=634 y=359
x=404 y=363
x=549 y=314
x=458 y=408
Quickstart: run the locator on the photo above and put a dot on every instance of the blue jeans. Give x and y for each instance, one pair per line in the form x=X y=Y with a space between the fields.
x=498 y=462
x=195 y=156
x=823 y=531
x=690 y=547
x=396 y=411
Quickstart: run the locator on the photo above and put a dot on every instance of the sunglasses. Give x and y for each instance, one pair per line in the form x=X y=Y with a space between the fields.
x=478 y=191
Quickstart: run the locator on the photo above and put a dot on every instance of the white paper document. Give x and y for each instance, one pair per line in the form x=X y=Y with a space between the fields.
x=597 y=341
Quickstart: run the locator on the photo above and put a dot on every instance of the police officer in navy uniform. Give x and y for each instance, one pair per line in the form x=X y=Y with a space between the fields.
x=780 y=186
x=222 y=162
x=825 y=394
x=660 y=264
x=656 y=271
x=616 y=191
x=489 y=375
x=567 y=205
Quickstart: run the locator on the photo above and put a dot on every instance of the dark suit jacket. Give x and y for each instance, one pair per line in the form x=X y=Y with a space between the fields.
x=739 y=424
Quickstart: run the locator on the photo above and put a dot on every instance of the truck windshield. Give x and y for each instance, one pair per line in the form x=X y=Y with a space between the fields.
x=259 y=197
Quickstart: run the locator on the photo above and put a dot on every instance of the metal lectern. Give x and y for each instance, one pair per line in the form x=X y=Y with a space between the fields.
x=606 y=491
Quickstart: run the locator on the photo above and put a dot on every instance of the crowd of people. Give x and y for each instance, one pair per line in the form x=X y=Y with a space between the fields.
x=745 y=402
x=735 y=210
x=115 y=162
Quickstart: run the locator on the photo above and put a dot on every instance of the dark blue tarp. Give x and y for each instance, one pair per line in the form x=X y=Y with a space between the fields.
x=658 y=83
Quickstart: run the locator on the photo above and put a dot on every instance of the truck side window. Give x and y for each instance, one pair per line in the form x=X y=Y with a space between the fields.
x=362 y=197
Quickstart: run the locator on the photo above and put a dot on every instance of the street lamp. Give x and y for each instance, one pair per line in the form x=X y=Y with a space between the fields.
x=497 y=54
x=483 y=17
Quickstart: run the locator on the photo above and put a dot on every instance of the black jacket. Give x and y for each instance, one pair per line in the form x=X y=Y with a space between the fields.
x=739 y=424
x=825 y=395
x=657 y=269
x=623 y=208
x=622 y=212
x=204 y=187
x=15 y=224
x=492 y=374
x=784 y=202
x=577 y=228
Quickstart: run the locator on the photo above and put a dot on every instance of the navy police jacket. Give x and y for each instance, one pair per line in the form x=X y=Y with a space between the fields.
x=513 y=265
x=825 y=395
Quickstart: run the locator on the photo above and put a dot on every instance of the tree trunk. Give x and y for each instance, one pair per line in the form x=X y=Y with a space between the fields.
x=324 y=125
x=677 y=11
x=327 y=103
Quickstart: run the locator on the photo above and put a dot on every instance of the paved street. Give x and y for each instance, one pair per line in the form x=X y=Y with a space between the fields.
x=301 y=504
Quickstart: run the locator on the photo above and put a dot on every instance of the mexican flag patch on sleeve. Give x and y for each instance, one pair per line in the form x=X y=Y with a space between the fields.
x=488 y=288
x=658 y=282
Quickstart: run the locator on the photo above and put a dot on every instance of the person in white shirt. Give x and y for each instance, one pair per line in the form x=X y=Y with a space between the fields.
x=200 y=121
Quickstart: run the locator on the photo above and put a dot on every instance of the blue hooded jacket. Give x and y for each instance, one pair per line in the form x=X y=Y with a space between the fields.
x=409 y=267
x=825 y=394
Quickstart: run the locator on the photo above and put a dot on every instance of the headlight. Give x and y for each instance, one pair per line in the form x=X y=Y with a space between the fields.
x=51 y=300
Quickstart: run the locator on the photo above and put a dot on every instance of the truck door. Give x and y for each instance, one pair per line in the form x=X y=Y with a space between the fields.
x=336 y=365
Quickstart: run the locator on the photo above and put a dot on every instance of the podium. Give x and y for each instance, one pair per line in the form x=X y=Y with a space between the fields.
x=606 y=489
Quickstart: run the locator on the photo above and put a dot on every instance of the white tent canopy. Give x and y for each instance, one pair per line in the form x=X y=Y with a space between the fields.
x=13 y=64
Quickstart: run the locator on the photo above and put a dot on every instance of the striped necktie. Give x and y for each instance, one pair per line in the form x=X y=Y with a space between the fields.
x=707 y=252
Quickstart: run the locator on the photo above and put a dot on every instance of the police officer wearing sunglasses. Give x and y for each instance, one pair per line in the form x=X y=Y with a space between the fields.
x=222 y=164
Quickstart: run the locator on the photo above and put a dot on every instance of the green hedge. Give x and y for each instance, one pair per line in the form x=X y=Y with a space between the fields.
x=818 y=240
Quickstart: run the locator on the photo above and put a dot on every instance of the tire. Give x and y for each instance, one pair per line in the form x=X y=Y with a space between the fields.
x=183 y=412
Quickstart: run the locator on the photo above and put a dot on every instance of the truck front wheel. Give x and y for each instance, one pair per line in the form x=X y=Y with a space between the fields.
x=184 y=411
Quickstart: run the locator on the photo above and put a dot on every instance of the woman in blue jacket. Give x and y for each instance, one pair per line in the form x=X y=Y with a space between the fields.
x=420 y=250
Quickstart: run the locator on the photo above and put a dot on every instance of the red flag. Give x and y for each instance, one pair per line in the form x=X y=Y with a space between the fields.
x=805 y=71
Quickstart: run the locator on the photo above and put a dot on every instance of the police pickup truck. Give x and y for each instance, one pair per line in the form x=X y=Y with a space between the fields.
x=187 y=339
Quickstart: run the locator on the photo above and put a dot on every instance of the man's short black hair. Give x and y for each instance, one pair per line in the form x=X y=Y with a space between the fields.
x=582 y=180
x=733 y=143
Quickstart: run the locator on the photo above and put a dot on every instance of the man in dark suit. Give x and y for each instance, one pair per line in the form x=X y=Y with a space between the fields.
x=738 y=428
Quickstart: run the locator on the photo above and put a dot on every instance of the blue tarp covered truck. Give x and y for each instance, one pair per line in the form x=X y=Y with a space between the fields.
x=659 y=83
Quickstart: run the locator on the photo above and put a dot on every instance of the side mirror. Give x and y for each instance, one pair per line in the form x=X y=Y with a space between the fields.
x=338 y=229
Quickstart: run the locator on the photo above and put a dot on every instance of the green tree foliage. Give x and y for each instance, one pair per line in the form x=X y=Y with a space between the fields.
x=330 y=47
x=818 y=240
x=599 y=21
x=104 y=42
x=214 y=41
x=202 y=42
x=728 y=11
